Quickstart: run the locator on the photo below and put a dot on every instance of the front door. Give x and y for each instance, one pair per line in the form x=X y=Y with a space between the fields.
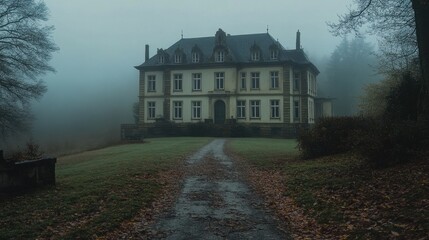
x=219 y=112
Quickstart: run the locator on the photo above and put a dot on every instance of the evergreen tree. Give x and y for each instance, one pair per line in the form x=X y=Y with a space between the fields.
x=350 y=68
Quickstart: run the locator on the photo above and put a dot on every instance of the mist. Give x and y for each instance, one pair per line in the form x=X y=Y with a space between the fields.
x=100 y=42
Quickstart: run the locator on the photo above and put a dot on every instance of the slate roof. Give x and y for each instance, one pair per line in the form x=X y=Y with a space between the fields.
x=239 y=50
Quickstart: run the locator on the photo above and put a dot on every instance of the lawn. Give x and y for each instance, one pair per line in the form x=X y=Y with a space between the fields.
x=265 y=152
x=95 y=192
x=339 y=196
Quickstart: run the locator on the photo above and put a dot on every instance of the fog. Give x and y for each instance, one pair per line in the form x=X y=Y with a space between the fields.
x=100 y=41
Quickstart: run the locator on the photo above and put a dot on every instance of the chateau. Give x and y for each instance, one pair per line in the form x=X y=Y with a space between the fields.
x=246 y=79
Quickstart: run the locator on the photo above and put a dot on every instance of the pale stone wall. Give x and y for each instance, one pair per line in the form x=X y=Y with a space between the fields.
x=164 y=96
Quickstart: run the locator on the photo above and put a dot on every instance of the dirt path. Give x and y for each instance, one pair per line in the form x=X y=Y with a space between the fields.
x=215 y=203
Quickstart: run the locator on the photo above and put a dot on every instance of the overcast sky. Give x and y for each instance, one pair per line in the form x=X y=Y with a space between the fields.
x=101 y=40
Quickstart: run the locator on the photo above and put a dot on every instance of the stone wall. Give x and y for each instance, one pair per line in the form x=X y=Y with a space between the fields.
x=26 y=174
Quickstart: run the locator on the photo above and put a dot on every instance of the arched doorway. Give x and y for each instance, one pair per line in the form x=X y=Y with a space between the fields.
x=219 y=112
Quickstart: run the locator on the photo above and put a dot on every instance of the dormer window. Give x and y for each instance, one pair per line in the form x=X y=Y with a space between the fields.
x=274 y=54
x=196 y=54
x=195 y=57
x=220 y=56
x=274 y=50
x=255 y=52
x=162 y=56
x=177 y=58
x=256 y=55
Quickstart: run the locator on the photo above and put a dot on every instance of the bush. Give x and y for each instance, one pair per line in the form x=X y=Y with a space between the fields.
x=165 y=128
x=200 y=129
x=389 y=143
x=330 y=136
x=31 y=152
x=239 y=130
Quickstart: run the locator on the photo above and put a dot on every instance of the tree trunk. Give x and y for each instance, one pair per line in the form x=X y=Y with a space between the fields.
x=421 y=13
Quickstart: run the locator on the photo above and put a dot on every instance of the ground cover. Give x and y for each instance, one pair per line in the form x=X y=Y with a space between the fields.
x=339 y=196
x=96 y=191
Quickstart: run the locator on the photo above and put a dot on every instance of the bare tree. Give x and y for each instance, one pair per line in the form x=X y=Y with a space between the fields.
x=404 y=26
x=391 y=20
x=25 y=50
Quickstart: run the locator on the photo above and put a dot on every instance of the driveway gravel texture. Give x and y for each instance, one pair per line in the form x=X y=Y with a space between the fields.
x=215 y=203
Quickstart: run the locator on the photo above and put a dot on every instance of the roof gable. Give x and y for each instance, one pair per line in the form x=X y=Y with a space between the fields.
x=238 y=48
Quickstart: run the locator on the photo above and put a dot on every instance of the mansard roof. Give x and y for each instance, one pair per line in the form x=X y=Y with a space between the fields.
x=238 y=48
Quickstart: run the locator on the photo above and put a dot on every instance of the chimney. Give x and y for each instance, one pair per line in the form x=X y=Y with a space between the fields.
x=146 y=55
x=298 y=40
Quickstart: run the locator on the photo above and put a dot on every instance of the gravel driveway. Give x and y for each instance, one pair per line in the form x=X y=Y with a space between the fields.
x=215 y=203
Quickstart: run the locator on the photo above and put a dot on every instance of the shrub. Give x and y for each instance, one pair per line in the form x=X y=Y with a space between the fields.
x=239 y=130
x=389 y=143
x=32 y=151
x=200 y=129
x=165 y=128
x=330 y=136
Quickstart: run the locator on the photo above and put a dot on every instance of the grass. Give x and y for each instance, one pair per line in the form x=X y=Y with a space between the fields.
x=95 y=192
x=265 y=152
x=343 y=194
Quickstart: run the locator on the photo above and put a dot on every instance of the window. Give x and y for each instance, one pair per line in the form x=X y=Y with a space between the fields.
x=255 y=56
x=196 y=81
x=243 y=81
x=177 y=58
x=274 y=80
x=177 y=110
x=296 y=110
x=296 y=81
x=196 y=110
x=220 y=56
x=275 y=108
x=219 y=80
x=195 y=57
x=312 y=84
x=311 y=111
x=241 y=109
x=255 y=80
x=177 y=82
x=161 y=59
x=274 y=54
x=255 y=109
x=151 y=83
x=150 y=110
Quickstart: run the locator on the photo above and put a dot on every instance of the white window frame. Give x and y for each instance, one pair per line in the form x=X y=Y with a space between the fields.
x=161 y=59
x=296 y=111
x=296 y=81
x=219 y=80
x=275 y=108
x=243 y=81
x=241 y=109
x=256 y=55
x=220 y=56
x=275 y=83
x=177 y=58
x=178 y=82
x=151 y=83
x=310 y=110
x=255 y=80
x=195 y=57
x=151 y=110
x=177 y=110
x=274 y=54
x=196 y=109
x=255 y=109
x=196 y=82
